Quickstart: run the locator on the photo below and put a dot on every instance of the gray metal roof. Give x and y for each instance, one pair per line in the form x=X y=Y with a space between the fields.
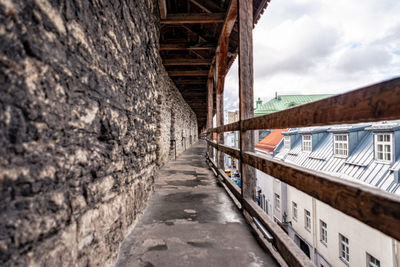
x=360 y=165
x=390 y=126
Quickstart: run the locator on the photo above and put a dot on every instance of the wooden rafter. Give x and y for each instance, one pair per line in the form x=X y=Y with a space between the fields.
x=189 y=81
x=186 y=62
x=202 y=38
x=206 y=5
x=197 y=54
x=202 y=46
x=188 y=73
x=201 y=6
x=191 y=18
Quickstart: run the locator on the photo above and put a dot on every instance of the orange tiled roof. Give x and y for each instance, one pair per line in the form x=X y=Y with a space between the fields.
x=271 y=141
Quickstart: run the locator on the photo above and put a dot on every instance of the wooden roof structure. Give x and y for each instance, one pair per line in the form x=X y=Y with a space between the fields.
x=198 y=42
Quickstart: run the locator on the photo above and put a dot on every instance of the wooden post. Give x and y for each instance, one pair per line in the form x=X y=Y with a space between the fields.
x=210 y=100
x=162 y=5
x=220 y=121
x=246 y=94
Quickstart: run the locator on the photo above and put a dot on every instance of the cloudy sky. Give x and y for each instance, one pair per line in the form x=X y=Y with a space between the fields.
x=321 y=46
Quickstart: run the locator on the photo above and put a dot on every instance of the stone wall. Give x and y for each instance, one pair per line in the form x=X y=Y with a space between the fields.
x=85 y=122
x=179 y=128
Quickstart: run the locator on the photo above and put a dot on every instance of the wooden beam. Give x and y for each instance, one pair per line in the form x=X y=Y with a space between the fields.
x=191 y=18
x=198 y=89
x=188 y=73
x=201 y=46
x=377 y=102
x=186 y=62
x=206 y=5
x=194 y=90
x=201 y=6
x=162 y=5
x=202 y=38
x=223 y=44
x=220 y=121
x=210 y=102
x=246 y=92
x=189 y=81
x=197 y=54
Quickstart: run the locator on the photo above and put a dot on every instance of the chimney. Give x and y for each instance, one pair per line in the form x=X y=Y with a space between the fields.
x=276 y=95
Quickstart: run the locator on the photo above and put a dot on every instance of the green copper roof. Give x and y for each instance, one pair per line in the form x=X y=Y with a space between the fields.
x=282 y=102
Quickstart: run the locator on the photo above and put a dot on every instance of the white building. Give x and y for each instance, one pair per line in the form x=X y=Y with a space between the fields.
x=364 y=153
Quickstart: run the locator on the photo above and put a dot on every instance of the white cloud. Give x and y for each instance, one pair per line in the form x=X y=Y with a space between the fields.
x=330 y=46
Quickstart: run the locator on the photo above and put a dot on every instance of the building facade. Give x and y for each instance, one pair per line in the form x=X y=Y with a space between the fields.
x=364 y=153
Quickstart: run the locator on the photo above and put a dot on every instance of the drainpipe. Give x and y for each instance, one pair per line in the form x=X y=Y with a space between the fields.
x=315 y=241
x=396 y=256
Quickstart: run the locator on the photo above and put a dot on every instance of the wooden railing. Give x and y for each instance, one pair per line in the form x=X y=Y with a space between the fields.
x=369 y=205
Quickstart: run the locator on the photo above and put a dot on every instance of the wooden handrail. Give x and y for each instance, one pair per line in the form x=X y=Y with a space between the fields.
x=376 y=102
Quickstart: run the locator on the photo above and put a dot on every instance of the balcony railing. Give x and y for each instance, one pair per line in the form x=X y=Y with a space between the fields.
x=369 y=205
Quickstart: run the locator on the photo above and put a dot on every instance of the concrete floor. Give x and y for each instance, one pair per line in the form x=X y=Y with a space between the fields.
x=191 y=221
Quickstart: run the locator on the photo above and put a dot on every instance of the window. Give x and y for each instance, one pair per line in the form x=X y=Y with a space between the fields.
x=383 y=147
x=372 y=262
x=286 y=143
x=341 y=145
x=344 y=248
x=294 y=211
x=277 y=202
x=266 y=206
x=323 y=232
x=307 y=220
x=307 y=143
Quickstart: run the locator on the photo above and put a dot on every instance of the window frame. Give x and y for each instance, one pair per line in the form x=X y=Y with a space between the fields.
x=277 y=199
x=344 y=143
x=286 y=142
x=346 y=250
x=294 y=211
x=372 y=264
x=383 y=143
x=323 y=230
x=308 y=142
x=307 y=220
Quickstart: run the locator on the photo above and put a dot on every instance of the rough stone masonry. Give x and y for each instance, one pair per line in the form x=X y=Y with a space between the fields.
x=87 y=115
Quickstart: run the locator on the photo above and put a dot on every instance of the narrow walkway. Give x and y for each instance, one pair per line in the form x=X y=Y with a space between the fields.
x=191 y=221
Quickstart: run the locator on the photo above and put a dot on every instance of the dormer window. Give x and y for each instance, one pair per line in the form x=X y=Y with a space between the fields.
x=384 y=147
x=286 y=142
x=307 y=143
x=341 y=145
